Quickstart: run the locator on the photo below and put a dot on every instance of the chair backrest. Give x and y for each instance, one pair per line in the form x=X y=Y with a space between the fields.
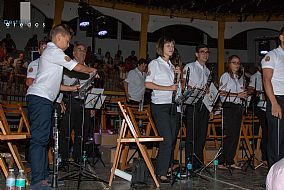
x=128 y=121
x=12 y=114
x=142 y=119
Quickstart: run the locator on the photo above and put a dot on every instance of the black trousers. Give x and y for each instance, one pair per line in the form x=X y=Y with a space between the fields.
x=76 y=119
x=272 y=149
x=263 y=123
x=232 y=117
x=198 y=129
x=165 y=122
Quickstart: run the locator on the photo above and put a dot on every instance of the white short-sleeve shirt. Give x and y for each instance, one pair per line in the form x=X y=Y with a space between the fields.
x=32 y=69
x=275 y=60
x=198 y=74
x=136 y=87
x=50 y=71
x=232 y=85
x=161 y=72
x=256 y=83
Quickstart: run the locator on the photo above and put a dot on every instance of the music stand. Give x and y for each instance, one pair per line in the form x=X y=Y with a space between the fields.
x=196 y=95
x=83 y=172
x=221 y=149
x=95 y=100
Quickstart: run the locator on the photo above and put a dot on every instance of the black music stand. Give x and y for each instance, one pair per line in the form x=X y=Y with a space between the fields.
x=180 y=101
x=190 y=97
x=221 y=149
x=197 y=94
x=83 y=174
x=95 y=100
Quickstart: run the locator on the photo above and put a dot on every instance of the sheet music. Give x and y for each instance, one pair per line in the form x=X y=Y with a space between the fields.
x=211 y=97
x=92 y=98
x=196 y=94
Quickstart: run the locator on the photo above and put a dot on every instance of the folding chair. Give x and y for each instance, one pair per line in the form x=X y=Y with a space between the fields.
x=142 y=122
x=5 y=137
x=5 y=130
x=247 y=135
x=135 y=138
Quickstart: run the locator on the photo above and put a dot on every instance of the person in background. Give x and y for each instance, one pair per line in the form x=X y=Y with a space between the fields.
x=134 y=83
x=232 y=88
x=273 y=82
x=9 y=43
x=33 y=66
x=76 y=112
x=160 y=78
x=258 y=101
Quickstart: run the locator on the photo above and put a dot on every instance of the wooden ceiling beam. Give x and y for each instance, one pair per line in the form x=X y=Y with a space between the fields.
x=180 y=13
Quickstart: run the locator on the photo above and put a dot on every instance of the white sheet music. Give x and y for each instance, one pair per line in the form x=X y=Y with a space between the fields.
x=92 y=98
x=211 y=97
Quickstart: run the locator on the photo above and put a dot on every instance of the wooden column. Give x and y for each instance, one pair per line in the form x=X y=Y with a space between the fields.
x=221 y=47
x=58 y=9
x=143 y=35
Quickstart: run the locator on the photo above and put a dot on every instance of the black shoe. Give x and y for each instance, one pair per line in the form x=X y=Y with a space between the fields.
x=167 y=180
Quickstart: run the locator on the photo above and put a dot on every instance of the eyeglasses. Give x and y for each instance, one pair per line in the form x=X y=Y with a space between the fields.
x=204 y=52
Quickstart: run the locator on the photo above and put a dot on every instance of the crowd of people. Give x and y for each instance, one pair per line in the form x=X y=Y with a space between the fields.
x=165 y=77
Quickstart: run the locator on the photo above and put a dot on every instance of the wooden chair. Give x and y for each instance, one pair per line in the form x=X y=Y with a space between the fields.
x=110 y=109
x=16 y=117
x=8 y=138
x=183 y=135
x=143 y=122
x=136 y=138
x=5 y=130
x=211 y=133
x=247 y=135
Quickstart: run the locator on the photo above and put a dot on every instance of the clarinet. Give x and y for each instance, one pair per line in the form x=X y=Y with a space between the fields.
x=207 y=85
x=56 y=160
x=186 y=92
x=173 y=106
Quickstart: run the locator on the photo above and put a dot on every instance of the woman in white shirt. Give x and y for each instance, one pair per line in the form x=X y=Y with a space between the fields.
x=160 y=78
x=231 y=93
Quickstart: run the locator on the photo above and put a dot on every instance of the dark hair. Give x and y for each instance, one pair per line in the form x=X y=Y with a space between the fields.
x=62 y=29
x=228 y=69
x=161 y=42
x=200 y=46
x=142 y=61
x=281 y=32
x=41 y=42
x=175 y=59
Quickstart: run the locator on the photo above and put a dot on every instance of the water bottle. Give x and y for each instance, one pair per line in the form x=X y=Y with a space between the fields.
x=189 y=166
x=21 y=181
x=10 y=180
x=215 y=167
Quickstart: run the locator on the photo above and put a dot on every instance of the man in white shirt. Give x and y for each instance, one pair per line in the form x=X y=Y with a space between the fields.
x=198 y=113
x=134 y=83
x=273 y=81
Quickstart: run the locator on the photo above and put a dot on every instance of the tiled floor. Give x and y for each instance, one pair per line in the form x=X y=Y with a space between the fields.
x=251 y=179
